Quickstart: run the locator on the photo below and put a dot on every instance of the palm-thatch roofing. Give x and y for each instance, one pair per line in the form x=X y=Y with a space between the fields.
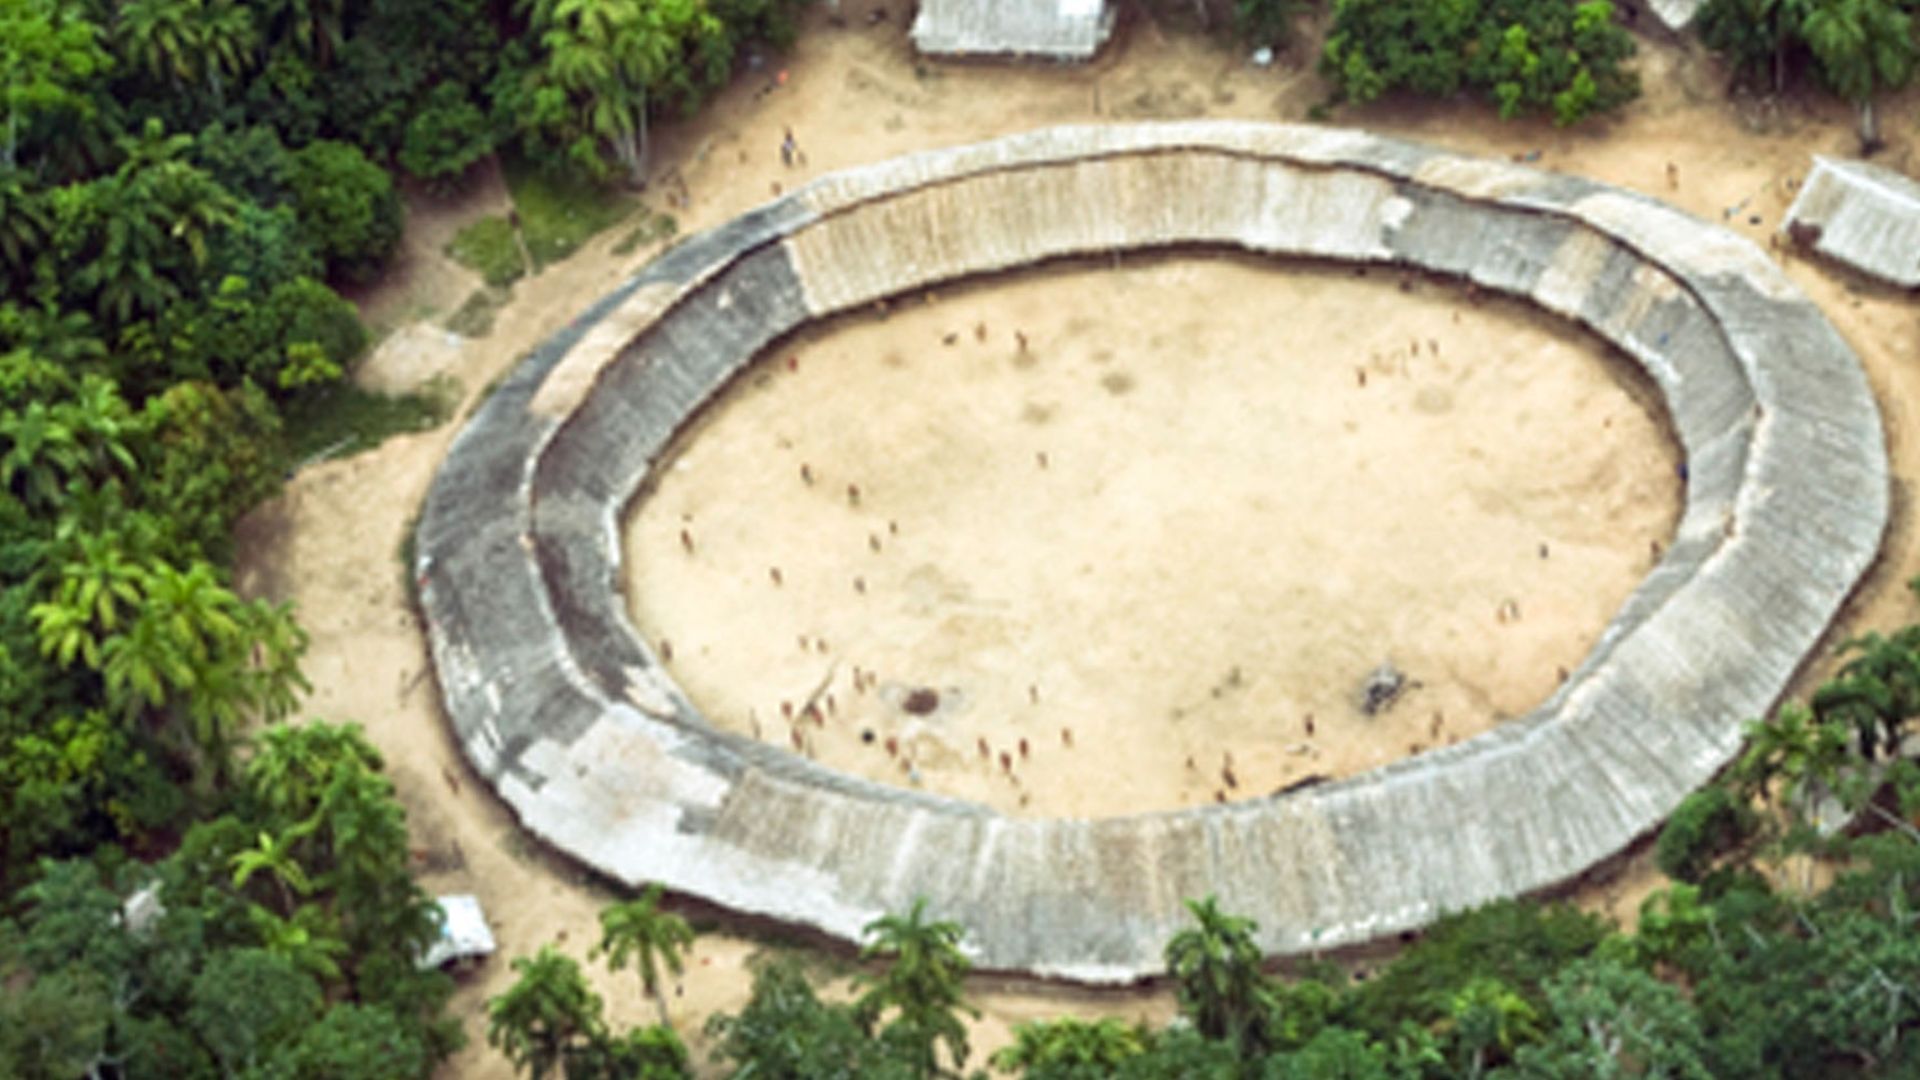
x=1861 y=215
x=1055 y=29
x=560 y=704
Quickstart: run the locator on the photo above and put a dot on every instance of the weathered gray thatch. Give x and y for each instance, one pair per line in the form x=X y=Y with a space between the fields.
x=560 y=704
x=1057 y=29
x=1861 y=215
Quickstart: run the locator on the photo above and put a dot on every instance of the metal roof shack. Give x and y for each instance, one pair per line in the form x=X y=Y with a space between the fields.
x=1676 y=15
x=1055 y=29
x=1861 y=215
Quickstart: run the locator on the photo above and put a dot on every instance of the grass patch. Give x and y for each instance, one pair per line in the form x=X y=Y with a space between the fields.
x=560 y=211
x=652 y=229
x=488 y=248
x=344 y=419
x=474 y=318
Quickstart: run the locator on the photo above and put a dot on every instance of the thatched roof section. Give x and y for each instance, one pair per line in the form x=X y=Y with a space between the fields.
x=1057 y=29
x=568 y=713
x=1861 y=215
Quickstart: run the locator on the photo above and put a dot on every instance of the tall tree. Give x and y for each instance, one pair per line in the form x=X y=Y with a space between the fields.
x=1863 y=47
x=1217 y=978
x=183 y=42
x=1486 y=1019
x=547 y=1016
x=922 y=986
x=786 y=1030
x=605 y=61
x=1614 y=1022
x=137 y=239
x=50 y=62
x=312 y=28
x=1759 y=36
x=638 y=932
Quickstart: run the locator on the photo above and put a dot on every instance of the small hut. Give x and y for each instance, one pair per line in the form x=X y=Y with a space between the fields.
x=1053 y=29
x=464 y=933
x=1675 y=15
x=1861 y=215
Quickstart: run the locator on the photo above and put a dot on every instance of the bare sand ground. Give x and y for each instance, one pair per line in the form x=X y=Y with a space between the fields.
x=1143 y=555
x=854 y=95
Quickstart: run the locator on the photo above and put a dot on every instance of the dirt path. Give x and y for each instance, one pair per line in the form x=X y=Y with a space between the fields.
x=331 y=543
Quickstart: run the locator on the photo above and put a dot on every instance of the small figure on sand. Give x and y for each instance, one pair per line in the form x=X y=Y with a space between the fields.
x=789 y=149
x=1381 y=688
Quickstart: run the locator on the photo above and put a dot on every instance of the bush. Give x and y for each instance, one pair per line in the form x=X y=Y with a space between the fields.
x=1707 y=825
x=266 y=247
x=1525 y=55
x=446 y=138
x=347 y=207
x=304 y=310
x=1515 y=943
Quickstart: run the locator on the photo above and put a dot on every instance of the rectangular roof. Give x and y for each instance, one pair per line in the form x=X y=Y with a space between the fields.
x=1676 y=15
x=1861 y=215
x=1059 y=29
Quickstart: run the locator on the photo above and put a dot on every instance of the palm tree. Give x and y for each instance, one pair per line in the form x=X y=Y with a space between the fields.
x=26 y=220
x=139 y=237
x=1486 y=1015
x=1863 y=47
x=923 y=984
x=546 y=1016
x=1793 y=748
x=638 y=931
x=1216 y=968
x=229 y=44
x=197 y=648
x=294 y=764
x=274 y=854
x=48 y=447
x=1072 y=1047
x=309 y=940
x=312 y=27
x=156 y=36
x=181 y=41
x=608 y=55
x=1877 y=691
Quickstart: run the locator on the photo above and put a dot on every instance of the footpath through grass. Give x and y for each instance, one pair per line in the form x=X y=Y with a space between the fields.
x=346 y=419
x=557 y=213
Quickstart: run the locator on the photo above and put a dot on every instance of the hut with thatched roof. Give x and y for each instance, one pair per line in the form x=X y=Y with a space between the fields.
x=1861 y=215
x=1054 y=29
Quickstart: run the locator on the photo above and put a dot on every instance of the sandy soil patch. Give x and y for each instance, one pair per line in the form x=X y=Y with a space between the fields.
x=1124 y=537
x=857 y=95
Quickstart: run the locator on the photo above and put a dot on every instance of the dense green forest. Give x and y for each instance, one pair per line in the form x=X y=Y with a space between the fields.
x=189 y=887
x=184 y=184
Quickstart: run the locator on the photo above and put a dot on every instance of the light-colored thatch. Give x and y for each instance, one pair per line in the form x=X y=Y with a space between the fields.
x=1056 y=29
x=1861 y=215
x=567 y=712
